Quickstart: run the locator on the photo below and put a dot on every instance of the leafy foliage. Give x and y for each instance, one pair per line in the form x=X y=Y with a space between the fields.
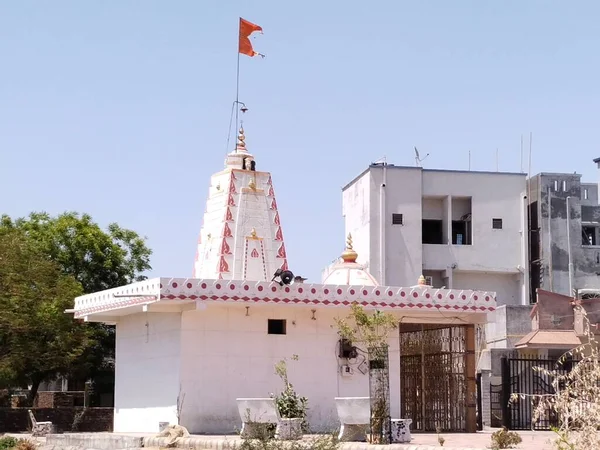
x=576 y=397
x=289 y=403
x=37 y=339
x=505 y=439
x=8 y=442
x=98 y=259
x=93 y=260
x=322 y=442
x=364 y=328
x=373 y=331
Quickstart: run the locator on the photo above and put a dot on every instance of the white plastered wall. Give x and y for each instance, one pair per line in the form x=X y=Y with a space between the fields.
x=229 y=355
x=147 y=371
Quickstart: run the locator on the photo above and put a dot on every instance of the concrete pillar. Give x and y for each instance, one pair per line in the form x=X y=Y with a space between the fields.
x=471 y=387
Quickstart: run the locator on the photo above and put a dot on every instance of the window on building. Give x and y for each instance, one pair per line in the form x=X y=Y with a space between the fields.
x=276 y=326
x=564 y=186
x=585 y=194
x=397 y=219
x=555 y=185
x=433 y=231
x=588 y=236
x=497 y=224
x=462 y=230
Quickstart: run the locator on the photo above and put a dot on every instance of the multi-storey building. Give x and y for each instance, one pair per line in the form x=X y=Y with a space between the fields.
x=565 y=248
x=460 y=229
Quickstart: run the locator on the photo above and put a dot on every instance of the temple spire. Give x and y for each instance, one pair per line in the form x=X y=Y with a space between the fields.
x=349 y=255
x=241 y=140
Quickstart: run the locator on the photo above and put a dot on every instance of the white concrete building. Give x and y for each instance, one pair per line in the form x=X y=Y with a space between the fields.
x=186 y=348
x=462 y=229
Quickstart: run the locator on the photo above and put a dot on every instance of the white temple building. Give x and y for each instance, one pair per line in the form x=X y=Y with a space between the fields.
x=186 y=348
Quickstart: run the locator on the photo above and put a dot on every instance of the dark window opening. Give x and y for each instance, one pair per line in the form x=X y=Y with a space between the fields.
x=276 y=326
x=588 y=236
x=461 y=232
x=497 y=224
x=433 y=231
x=397 y=219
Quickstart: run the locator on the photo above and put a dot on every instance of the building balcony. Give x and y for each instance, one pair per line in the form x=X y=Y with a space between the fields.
x=472 y=258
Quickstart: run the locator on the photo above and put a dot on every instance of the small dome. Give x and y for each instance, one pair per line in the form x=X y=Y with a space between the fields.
x=348 y=272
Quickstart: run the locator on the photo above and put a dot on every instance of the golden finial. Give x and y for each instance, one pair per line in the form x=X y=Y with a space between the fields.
x=241 y=143
x=349 y=255
x=253 y=232
x=422 y=281
x=251 y=184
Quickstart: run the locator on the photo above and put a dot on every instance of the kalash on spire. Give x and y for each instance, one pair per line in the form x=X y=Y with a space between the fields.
x=241 y=236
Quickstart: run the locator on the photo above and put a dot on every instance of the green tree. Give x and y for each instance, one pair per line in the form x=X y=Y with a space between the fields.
x=98 y=259
x=37 y=339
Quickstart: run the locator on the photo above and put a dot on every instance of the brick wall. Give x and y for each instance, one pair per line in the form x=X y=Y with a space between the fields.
x=50 y=399
x=16 y=420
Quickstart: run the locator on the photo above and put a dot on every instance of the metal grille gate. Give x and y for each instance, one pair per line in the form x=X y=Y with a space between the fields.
x=520 y=377
x=433 y=378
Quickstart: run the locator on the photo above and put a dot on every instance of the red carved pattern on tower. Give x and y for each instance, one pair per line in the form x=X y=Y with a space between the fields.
x=279 y=234
x=269 y=181
x=254 y=253
x=232 y=186
x=228 y=215
x=276 y=219
x=223 y=266
x=284 y=266
x=225 y=250
x=274 y=204
x=230 y=200
x=281 y=251
x=227 y=231
x=271 y=192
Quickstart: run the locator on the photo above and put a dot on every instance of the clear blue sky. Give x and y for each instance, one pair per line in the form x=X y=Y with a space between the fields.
x=120 y=108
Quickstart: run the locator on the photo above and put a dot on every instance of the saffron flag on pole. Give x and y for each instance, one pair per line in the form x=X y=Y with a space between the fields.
x=246 y=29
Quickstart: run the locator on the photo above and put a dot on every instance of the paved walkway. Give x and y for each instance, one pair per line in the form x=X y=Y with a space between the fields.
x=460 y=441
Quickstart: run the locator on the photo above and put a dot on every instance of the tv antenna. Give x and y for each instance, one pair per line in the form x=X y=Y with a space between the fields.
x=418 y=159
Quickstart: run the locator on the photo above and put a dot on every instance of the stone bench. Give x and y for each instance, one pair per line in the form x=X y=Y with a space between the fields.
x=355 y=417
x=258 y=413
x=354 y=414
x=40 y=428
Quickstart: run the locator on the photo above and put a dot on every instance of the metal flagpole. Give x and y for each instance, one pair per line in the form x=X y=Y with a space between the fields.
x=237 y=83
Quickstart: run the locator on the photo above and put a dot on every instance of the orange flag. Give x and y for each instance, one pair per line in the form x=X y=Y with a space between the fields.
x=246 y=29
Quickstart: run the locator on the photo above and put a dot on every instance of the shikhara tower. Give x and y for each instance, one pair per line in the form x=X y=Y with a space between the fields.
x=241 y=236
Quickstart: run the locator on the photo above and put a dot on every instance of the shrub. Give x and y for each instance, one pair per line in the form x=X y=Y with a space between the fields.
x=8 y=442
x=289 y=403
x=26 y=444
x=505 y=439
x=324 y=442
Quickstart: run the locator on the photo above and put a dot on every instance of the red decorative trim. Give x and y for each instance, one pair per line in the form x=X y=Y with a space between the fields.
x=228 y=215
x=276 y=219
x=254 y=253
x=278 y=234
x=227 y=231
x=284 y=266
x=262 y=253
x=281 y=252
x=232 y=187
x=225 y=250
x=269 y=181
x=271 y=191
x=274 y=204
x=223 y=266
x=230 y=200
